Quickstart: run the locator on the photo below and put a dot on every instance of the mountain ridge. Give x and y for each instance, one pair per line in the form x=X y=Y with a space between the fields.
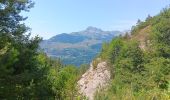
x=83 y=45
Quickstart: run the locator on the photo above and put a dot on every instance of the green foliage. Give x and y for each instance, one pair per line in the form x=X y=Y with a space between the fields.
x=132 y=53
x=161 y=34
x=111 y=51
x=140 y=74
x=63 y=83
x=114 y=49
x=104 y=51
x=126 y=93
x=26 y=73
x=158 y=69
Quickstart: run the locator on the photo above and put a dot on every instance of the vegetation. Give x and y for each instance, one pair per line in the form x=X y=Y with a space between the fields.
x=95 y=62
x=140 y=62
x=140 y=66
x=26 y=73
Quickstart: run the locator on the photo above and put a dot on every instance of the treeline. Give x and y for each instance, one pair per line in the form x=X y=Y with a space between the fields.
x=140 y=61
x=25 y=72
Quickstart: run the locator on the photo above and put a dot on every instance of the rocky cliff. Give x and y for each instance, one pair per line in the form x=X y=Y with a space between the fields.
x=94 y=79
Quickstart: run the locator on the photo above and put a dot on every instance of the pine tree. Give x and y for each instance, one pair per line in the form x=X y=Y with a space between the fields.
x=18 y=63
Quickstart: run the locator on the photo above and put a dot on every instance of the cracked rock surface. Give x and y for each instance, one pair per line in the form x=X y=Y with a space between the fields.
x=93 y=79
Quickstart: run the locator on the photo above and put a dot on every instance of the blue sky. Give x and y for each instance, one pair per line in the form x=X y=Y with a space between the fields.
x=51 y=17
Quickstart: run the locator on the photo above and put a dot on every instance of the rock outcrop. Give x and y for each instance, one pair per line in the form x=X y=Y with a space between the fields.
x=94 y=79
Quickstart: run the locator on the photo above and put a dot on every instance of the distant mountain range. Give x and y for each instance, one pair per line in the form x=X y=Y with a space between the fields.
x=77 y=47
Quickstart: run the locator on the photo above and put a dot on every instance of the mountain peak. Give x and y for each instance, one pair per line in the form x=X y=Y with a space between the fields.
x=92 y=29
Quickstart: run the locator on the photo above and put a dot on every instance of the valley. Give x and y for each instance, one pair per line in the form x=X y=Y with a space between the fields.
x=78 y=48
x=92 y=64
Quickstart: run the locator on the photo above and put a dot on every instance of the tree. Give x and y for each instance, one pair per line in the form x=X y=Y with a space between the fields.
x=114 y=49
x=139 y=22
x=21 y=72
x=161 y=35
x=148 y=18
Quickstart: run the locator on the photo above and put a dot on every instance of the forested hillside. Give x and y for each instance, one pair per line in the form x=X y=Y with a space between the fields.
x=140 y=61
x=69 y=47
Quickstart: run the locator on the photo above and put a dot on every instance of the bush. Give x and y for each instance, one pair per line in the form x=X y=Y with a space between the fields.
x=95 y=62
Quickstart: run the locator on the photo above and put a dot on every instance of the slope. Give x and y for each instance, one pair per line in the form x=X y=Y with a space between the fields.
x=139 y=62
x=78 y=47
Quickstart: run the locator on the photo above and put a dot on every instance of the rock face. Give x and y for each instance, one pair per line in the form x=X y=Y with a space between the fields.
x=93 y=79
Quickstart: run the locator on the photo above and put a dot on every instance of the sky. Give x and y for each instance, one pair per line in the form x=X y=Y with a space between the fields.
x=51 y=17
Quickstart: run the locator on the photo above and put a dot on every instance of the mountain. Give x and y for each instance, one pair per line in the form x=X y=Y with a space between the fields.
x=77 y=47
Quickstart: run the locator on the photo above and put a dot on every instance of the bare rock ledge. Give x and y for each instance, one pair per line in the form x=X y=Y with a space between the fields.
x=93 y=79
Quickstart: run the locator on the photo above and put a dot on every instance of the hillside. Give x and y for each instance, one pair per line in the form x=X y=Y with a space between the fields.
x=134 y=66
x=138 y=63
x=78 y=47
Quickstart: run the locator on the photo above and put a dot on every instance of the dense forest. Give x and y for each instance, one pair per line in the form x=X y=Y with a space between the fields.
x=139 y=61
